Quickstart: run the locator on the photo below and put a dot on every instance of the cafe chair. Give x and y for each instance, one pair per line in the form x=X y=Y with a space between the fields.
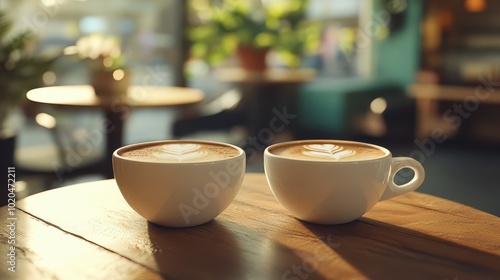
x=221 y=113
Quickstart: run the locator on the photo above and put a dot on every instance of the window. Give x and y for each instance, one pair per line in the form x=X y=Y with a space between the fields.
x=147 y=31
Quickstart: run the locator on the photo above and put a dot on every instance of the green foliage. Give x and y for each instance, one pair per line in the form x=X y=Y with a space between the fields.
x=279 y=25
x=19 y=71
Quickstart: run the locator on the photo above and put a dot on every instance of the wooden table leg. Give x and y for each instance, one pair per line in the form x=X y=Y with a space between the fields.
x=267 y=108
x=427 y=114
x=114 y=137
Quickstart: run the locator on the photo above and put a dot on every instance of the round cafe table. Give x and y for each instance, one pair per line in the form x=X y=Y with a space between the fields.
x=88 y=231
x=269 y=76
x=116 y=109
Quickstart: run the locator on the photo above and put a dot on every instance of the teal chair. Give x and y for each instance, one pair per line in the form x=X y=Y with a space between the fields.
x=328 y=108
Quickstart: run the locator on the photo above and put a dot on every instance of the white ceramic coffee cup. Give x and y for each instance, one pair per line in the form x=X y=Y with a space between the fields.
x=179 y=194
x=336 y=192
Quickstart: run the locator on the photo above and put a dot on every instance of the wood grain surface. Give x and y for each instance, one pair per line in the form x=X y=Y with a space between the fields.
x=88 y=231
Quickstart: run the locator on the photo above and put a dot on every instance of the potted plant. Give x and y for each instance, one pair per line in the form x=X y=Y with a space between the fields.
x=20 y=71
x=250 y=29
x=108 y=73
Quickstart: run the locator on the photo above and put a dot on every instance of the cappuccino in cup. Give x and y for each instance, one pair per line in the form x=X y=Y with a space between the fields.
x=179 y=152
x=329 y=151
x=179 y=183
x=333 y=181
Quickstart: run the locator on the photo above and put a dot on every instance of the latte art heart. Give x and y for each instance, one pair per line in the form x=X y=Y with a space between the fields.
x=330 y=151
x=180 y=152
x=328 y=148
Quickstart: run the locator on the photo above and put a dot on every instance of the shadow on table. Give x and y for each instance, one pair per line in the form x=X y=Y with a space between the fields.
x=197 y=252
x=218 y=250
x=383 y=251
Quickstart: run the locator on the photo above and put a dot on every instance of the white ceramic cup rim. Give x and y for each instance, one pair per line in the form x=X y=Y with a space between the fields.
x=117 y=152
x=267 y=152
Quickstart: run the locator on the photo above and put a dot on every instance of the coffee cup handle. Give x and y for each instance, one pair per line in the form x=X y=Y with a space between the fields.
x=399 y=163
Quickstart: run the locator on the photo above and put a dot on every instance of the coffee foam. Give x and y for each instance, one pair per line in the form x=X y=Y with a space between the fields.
x=180 y=152
x=328 y=151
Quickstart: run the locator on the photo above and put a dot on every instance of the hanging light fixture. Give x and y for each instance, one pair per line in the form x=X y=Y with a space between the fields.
x=475 y=6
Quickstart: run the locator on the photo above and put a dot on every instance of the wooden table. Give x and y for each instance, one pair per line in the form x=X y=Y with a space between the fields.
x=467 y=100
x=88 y=231
x=116 y=109
x=270 y=76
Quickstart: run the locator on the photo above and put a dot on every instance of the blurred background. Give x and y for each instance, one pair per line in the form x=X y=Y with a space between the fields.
x=418 y=77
